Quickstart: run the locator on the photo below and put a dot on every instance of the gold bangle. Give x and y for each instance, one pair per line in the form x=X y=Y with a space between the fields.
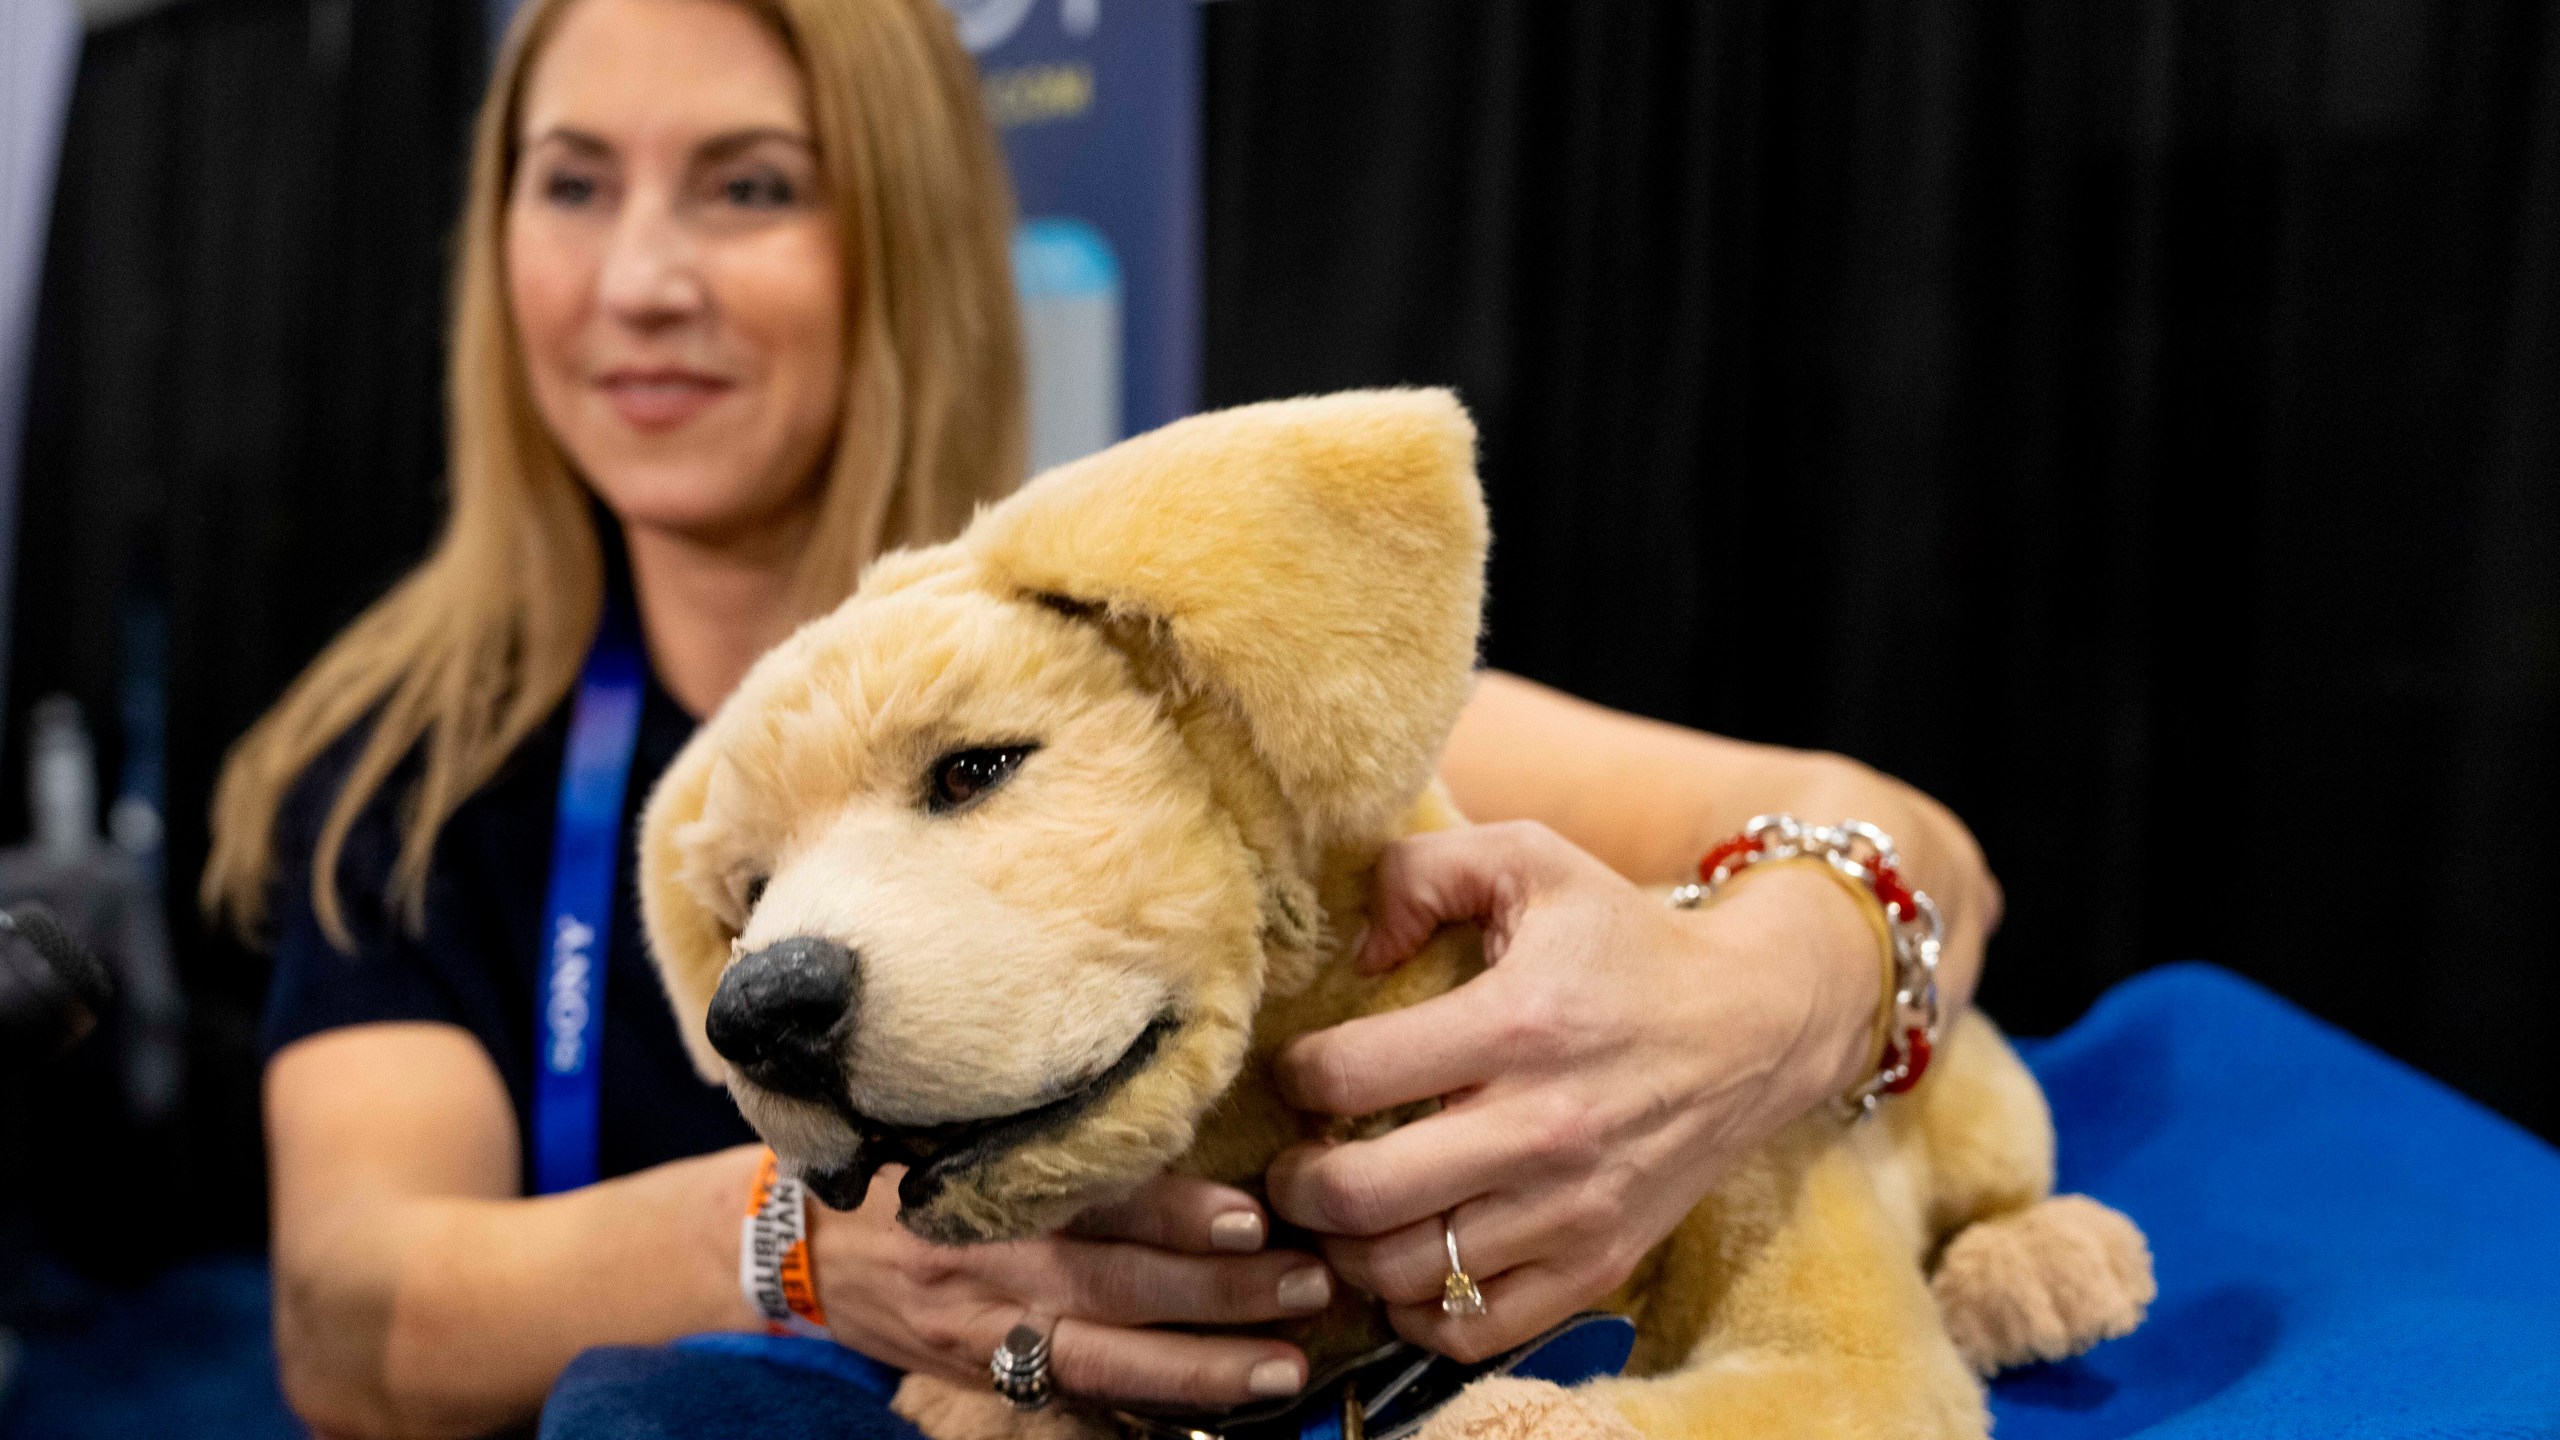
x=1881 y=925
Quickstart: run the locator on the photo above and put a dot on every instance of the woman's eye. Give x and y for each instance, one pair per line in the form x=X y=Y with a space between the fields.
x=568 y=190
x=962 y=776
x=760 y=190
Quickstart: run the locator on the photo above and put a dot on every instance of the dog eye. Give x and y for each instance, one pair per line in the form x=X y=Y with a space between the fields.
x=755 y=890
x=960 y=777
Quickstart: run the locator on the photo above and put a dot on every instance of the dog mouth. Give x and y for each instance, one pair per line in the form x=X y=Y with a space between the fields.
x=935 y=1155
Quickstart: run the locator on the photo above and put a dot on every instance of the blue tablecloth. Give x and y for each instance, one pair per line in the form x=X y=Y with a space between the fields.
x=2345 y=1248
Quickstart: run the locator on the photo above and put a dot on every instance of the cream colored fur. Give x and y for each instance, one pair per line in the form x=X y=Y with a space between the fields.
x=1239 y=643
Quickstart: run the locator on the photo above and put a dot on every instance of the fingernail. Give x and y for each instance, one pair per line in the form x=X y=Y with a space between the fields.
x=1237 y=1232
x=1359 y=943
x=1274 y=1378
x=1306 y=1288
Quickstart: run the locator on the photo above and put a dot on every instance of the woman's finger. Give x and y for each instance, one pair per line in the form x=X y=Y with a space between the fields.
x=1377 y=1062
x=1496 y=1234
x=1180 y=1212
x=1122 y=1284
x=1372 y=1187
x=1519 y=1306
x=1153 y=1367
x=1477 y=873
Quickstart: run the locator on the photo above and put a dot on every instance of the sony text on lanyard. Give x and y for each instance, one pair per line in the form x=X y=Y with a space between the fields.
x=577 y=918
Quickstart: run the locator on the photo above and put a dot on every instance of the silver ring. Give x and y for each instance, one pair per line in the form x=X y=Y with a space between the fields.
x=1459 y=1296
x=1020 y=1367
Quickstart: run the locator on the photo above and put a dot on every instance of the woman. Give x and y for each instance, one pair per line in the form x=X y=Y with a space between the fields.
x=732 y=316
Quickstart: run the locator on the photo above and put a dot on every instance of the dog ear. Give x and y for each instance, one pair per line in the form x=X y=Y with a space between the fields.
x=1317 y=565
x=687 y=937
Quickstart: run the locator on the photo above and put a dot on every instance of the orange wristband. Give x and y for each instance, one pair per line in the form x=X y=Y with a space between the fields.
x=773 y=1254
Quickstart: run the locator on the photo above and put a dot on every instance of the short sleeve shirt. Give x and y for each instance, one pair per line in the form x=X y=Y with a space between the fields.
x=476 y=962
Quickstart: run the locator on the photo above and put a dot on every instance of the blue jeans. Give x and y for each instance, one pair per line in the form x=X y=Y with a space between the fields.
x=725 y=1387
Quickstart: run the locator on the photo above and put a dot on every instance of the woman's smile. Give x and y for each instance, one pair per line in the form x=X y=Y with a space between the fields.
x=659 y=398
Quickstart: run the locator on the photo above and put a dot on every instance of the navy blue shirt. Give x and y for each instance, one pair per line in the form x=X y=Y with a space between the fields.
x=477 y=961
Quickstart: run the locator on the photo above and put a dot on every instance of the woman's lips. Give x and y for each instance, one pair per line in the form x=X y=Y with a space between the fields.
x=660 y=399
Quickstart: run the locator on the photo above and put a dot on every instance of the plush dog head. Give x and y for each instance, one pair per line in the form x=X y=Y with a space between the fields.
x=987 y=872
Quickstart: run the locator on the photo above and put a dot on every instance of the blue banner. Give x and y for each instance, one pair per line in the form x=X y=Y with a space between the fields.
x=1099 y=110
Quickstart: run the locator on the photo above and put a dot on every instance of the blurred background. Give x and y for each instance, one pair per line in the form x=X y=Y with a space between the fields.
x=2136 y=423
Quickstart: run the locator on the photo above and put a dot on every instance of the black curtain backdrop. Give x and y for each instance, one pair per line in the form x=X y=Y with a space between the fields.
x=2131 y=422
x=235 y=418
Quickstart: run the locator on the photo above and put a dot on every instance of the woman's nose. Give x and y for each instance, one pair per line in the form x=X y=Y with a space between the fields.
x=652 y=274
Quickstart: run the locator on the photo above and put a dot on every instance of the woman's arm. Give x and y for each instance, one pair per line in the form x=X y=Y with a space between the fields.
x=1616 y=1057
x=417 y=1295
x=1647 y=799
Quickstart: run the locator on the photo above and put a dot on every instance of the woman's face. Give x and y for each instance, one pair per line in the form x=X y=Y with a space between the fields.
x=673 y=267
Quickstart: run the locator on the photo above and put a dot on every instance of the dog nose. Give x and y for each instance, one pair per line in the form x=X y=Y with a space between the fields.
x=779 y=1011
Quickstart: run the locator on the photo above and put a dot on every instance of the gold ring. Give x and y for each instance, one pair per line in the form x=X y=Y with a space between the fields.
x=1459 y=1296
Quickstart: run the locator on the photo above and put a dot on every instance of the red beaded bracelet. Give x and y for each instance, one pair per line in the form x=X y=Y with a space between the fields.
x=1864 y=856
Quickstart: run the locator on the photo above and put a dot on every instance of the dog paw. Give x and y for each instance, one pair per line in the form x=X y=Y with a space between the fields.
x=2043 y=1284
x=1499 y=1407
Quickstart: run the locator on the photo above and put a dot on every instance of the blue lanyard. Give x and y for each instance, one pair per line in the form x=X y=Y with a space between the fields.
x=577 y=916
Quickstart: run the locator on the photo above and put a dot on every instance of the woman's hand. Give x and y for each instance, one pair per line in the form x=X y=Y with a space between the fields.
x=1180 y=1251
x=1604 y=1072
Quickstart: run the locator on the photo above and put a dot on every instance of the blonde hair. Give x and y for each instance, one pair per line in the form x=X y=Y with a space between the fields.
x=471 y=651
